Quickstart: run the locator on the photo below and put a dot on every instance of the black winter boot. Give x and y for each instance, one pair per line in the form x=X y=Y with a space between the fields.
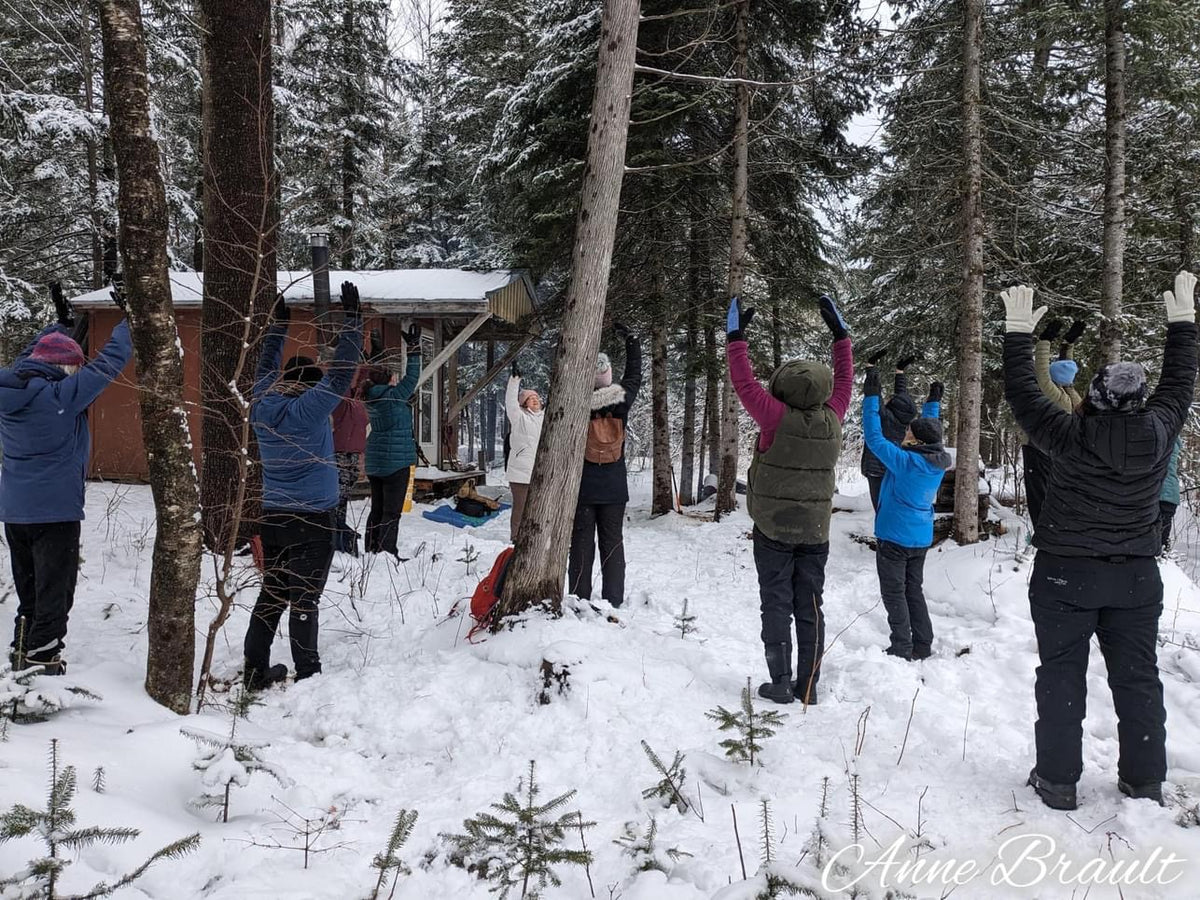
x=779 y=666
x=50 y=665
x=1055 y=796
x=798 y=692
x=1142 y=791
x=257 y=680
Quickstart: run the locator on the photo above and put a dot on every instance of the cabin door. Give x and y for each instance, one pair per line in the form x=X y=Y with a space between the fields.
x=427 y=404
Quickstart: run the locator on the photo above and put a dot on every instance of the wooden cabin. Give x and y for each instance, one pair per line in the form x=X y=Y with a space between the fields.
x=452 y=306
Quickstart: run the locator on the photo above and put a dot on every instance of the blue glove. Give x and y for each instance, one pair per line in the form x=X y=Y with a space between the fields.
x=833 y=318
x=737 y=320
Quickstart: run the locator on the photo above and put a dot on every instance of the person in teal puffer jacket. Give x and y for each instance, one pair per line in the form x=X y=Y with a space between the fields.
x=391 y=451
x=1168 y=500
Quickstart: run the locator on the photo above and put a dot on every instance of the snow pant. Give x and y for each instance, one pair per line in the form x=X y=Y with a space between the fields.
x=387 y=503
x=45 y=566
x=875 y=483
x=520 y=493
x=791 y=585
x=1166 y=519
x=346 y=539
x=1120 y=603
x=902 y=584
x=603 y=522
x=297 y=551
x=1037 y=469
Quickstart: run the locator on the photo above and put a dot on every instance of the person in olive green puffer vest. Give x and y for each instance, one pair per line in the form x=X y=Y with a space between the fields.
x=790 y=495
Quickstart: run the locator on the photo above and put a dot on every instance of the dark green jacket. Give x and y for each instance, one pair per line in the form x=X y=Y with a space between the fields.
x=792 y=481
x=390 y=444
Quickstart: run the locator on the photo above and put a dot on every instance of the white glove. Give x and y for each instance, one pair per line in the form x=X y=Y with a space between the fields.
x=1181 y=305
x=1020 y=316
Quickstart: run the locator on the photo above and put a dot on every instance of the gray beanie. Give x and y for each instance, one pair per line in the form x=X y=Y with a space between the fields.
x=1118 y=387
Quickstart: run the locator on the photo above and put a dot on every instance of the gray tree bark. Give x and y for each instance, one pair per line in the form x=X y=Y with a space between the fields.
x=142 y=211
x=738 y=240
x=662 y=499
x=1112 y=281
x=687 y=450
x=540 y=557
x=970 y=319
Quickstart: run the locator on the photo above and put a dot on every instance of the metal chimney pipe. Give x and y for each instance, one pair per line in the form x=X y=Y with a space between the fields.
x=318 y=241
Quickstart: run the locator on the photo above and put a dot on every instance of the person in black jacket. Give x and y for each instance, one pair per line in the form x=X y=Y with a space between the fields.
x=894 y=416
x=1097 y=538
x=604 y=491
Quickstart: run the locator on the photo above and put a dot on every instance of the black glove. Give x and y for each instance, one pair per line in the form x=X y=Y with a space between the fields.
x=875 y=358
x=61 y=306
x=833 y=318
x=905 y=361
x=413 y=338
x=737 y=320
x=118 y=292
x=937 y=390
x=515 y=369
x=621 y=330
x=1051 y=330
x=376 y=345
x=1075 y=332
x=280 y=311
x=872 y=387
x=350 y=299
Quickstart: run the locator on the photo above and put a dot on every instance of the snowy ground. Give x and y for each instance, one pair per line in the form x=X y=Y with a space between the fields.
x=408 y=714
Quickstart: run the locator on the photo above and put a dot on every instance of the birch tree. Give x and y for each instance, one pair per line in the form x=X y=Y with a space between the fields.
x=142 y=214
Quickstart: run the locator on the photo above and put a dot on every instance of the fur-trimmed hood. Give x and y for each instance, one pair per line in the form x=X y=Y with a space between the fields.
x=604 y=397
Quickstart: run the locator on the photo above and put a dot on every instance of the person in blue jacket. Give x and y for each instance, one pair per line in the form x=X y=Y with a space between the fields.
x=904 y=523
x=44 y=400
x=291 y=418
x=391 y=450
x=1168 y=499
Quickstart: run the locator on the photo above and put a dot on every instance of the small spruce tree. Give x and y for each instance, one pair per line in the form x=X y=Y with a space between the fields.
x=518 y=847
x=228 y=760
x=776 y=883
x=55 y=825
x=669 y=789
x=28 y=696
x=388 y=863
x=685 y=623
x=752 y=726
x=642 y=847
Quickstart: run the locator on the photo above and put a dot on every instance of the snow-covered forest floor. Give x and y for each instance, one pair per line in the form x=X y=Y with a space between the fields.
x=408 y=714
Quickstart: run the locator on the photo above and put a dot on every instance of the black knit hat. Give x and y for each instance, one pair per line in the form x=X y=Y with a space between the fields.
x=1118 y=387
x=926 y=430
x=903 y=408
x=303 y=370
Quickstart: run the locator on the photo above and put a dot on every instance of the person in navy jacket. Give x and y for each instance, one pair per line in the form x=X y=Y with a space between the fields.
x=904 y=523
x=291 y=416
x=44 y=400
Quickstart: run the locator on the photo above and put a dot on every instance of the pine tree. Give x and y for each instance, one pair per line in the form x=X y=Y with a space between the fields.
x=519 y=846
x=28 y=696
x=752 y=726
x=669 y=790
x=55 y=826
x=388 y=863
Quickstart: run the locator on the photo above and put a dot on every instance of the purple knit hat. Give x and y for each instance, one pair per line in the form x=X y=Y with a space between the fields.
x=57 y=349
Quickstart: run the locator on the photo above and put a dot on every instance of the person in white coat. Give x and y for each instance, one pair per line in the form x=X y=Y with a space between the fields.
x=524 y=409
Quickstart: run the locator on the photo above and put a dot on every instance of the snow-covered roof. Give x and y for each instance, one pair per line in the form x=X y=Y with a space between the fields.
x=397 y=291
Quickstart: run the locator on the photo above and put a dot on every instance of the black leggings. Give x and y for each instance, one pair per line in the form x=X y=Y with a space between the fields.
x=387 y=503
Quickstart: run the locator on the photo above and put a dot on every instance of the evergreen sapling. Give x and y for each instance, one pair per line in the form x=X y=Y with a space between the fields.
x=642 y=848
x=388 y=863
x=55 y=825
x=752 y=726
x=669 y=790
x=26 y=695
x=684 y=622
x=519 y=846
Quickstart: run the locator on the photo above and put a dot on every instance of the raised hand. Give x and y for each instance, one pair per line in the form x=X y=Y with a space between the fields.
x=515 y=369
x=937 y=390
x=61 y=307
x=118 y=292
x=350 y=299
x=875 y=358
x=737 y=320
x=1051 y=330
x=872 y=386
x=1020 y=316
x=621 y=330
x=280 y=311
x=832 y=318
x=413 y=338
x=1075 y=332
x=905 y=361
x=1181 y=303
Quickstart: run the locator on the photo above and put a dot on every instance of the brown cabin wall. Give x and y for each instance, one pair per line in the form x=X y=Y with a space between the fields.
x=115 y=421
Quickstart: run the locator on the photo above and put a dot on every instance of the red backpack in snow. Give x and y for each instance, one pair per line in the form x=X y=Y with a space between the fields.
x=487 y=592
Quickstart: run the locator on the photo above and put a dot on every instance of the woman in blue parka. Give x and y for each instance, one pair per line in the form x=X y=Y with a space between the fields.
x=391 y=450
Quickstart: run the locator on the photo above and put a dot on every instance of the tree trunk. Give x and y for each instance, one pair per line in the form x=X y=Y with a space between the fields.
x=970 y=319
x=738 y=239
x=687 y=464
x=776 y=333
x=1112 y=281
x=542 y=542
x=663 y=497
x=142 y=209
x=93 y=161
x=712 y=403
x=240 y=220
x=349 y=157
